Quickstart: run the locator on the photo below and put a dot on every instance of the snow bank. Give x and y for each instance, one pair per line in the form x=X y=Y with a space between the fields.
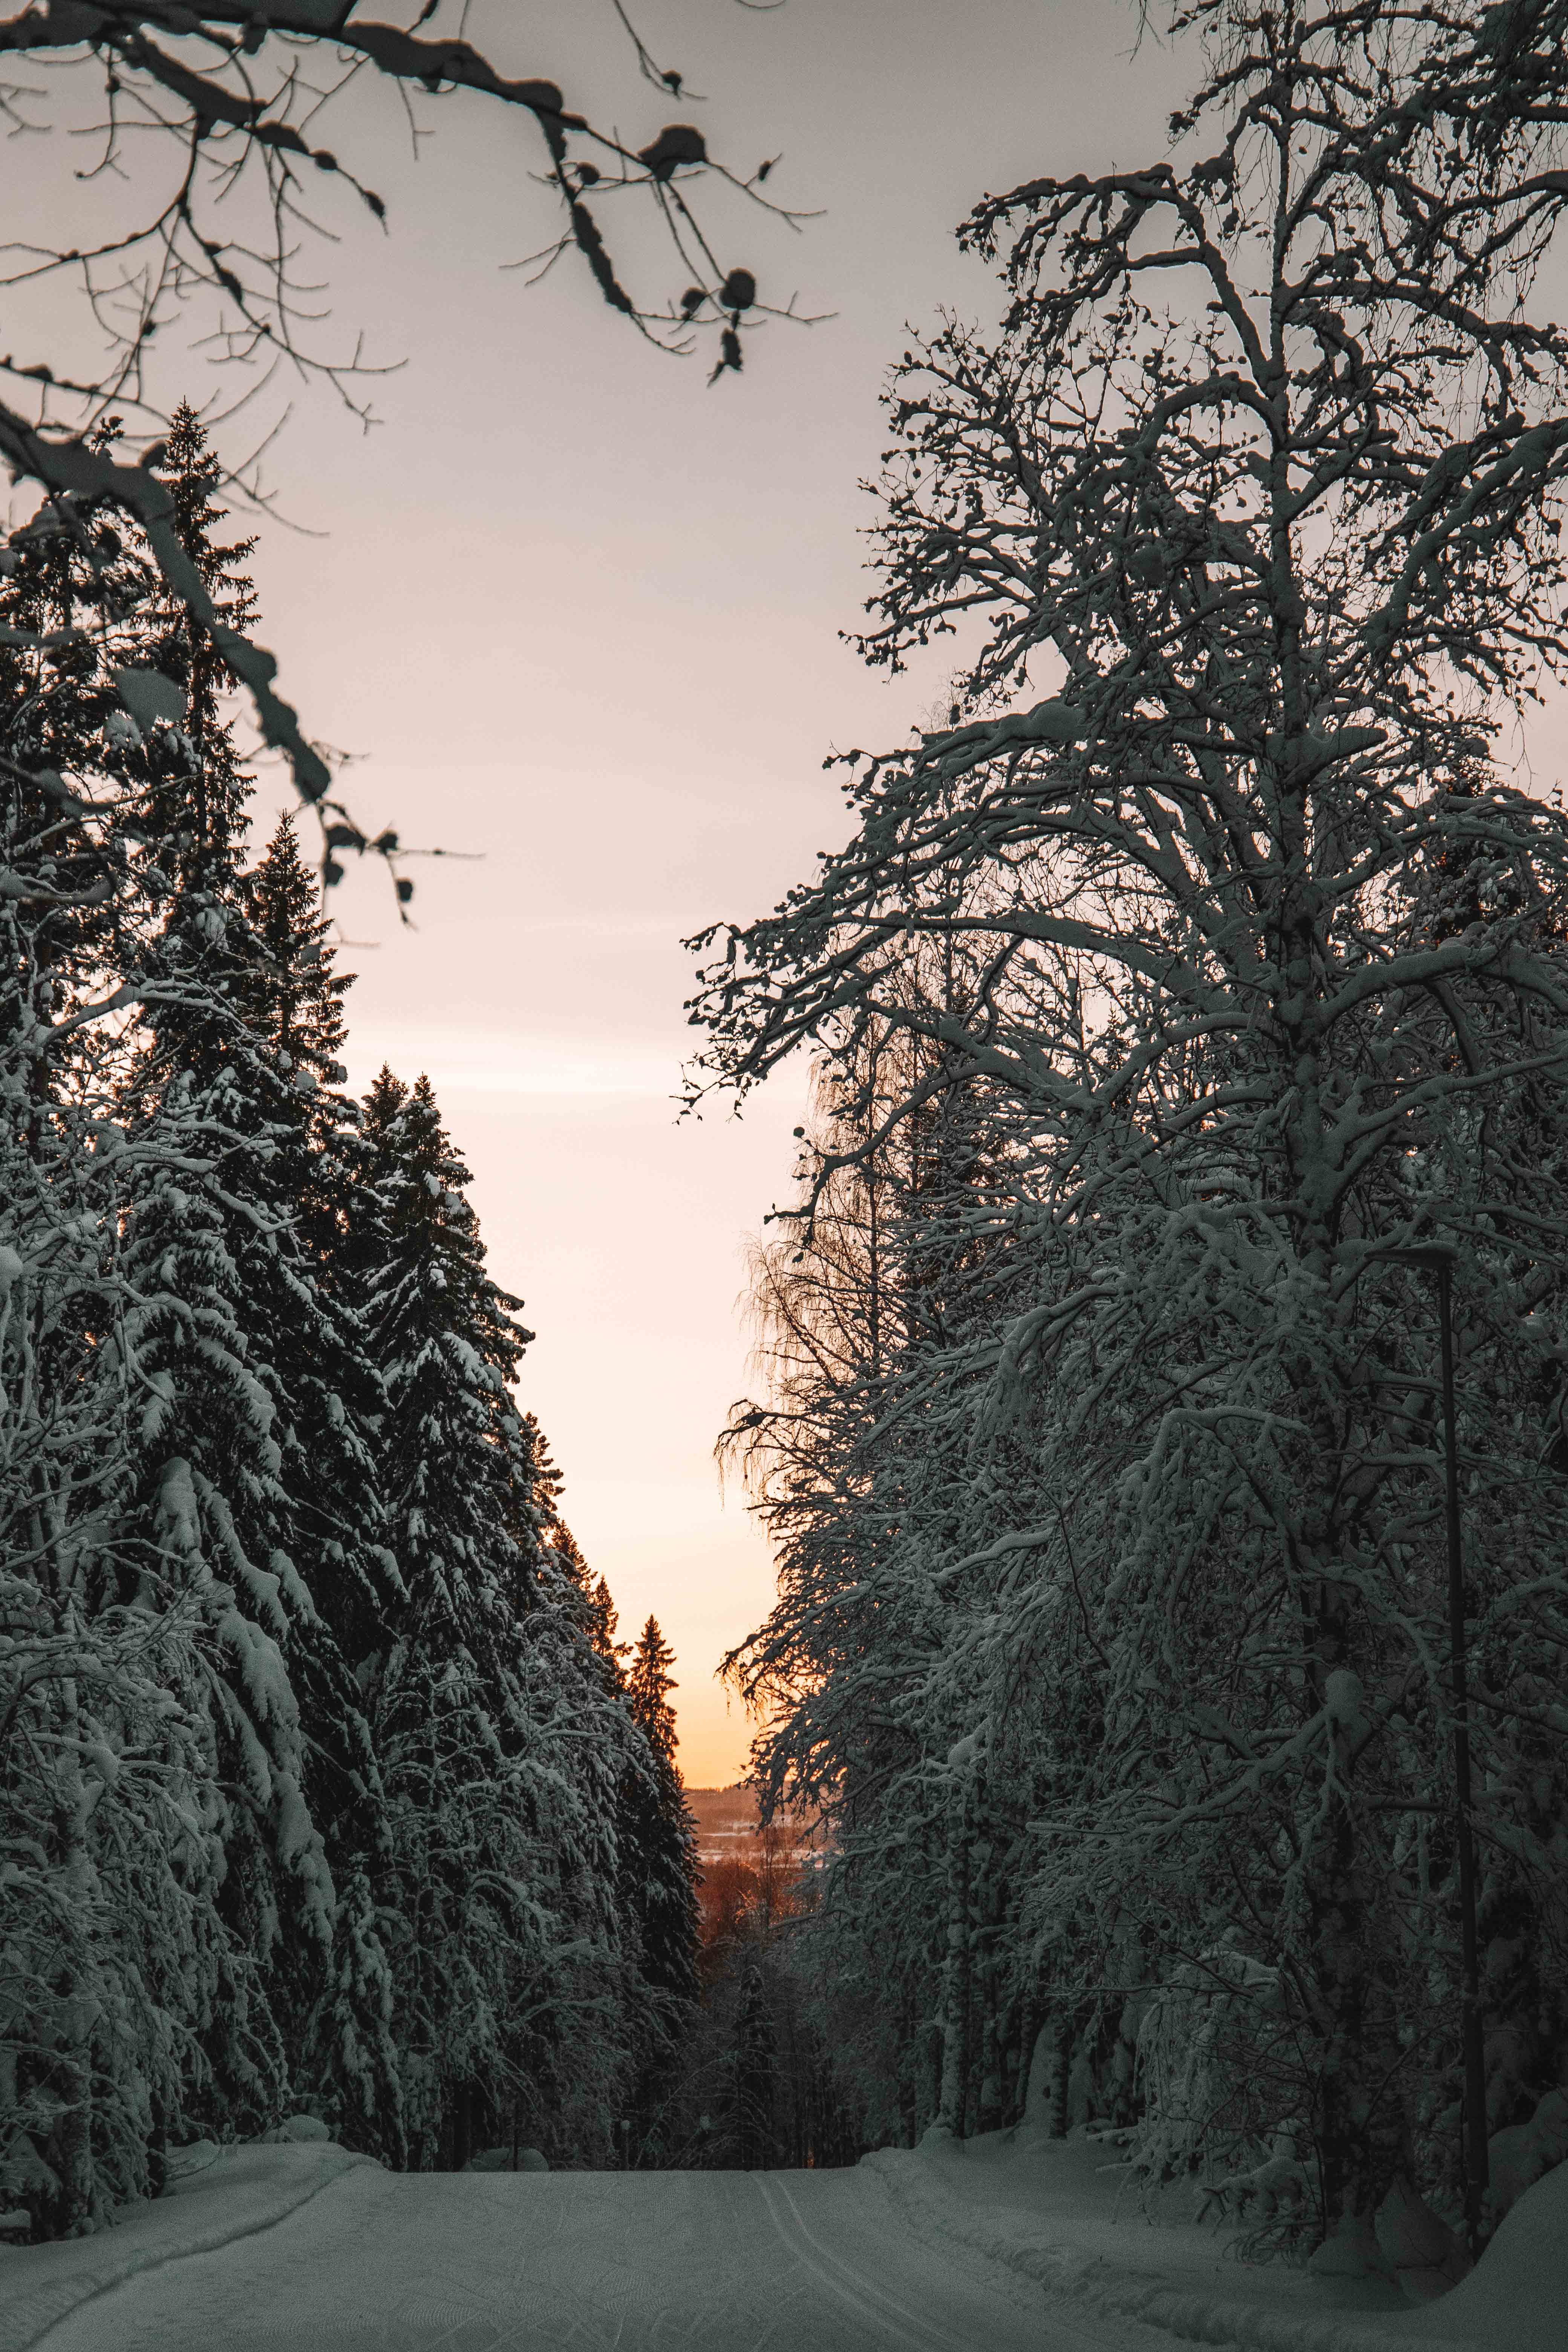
x=241 y=2189
x=1516 y=2298
x=1055 y=2213
x=1051 y=2213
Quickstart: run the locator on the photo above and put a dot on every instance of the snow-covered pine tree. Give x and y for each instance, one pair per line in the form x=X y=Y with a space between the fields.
x=220 y=1306
x=632 y=1787
x=1267 y=567
x=112 y=1946
x=753 y=2072
x=291 y=997
x=514 y=1983
x=654 y=1831
x=199 y=1861
x=265 y=1386
x=331 y=1404
x=659 y=1829
x=659 y=1876
x=592 y=1595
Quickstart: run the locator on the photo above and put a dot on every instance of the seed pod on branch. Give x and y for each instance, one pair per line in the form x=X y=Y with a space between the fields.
x=677 y=143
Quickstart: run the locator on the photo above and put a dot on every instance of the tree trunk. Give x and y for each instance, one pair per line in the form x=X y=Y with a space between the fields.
x=957 y=1969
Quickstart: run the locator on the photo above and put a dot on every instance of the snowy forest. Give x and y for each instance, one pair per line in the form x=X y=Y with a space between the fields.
x=1190 y=1013
x=328 y=1789
x=1160 y=1360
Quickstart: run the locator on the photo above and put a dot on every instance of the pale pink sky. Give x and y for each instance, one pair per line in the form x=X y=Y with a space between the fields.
x=578 y=611
x=575 y=611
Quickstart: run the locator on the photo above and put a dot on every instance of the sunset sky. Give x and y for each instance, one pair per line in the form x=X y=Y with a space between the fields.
x=578 y=613
x=574 y=613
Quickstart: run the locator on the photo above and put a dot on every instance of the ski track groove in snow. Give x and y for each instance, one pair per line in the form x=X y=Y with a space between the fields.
x=891 y=2318
x=705 y=2262
x=991 y=2249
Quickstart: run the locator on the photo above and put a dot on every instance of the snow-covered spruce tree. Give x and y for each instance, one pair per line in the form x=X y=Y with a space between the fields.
x=210 y=1278
x=291 y=997
x=661 y=1859
x=108 y=1867
x=1270 y=967
x=595 y=1601
x=500 y=1746
x=247 y=1448
x=110 y=1946
x=655 y=1834
x=754 y=2070
x=657 y=1838
x=600 y=1617
x=111 y=1942
x=330 y=1406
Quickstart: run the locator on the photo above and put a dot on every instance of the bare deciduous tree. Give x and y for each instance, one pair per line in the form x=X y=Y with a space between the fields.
x=1248 y=525
x=216 y=120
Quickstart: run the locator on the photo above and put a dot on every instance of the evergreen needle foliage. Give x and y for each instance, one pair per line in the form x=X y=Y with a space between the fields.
x=313 y=1782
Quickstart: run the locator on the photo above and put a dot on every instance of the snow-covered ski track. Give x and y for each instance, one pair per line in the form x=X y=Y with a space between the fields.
x=710 y=2262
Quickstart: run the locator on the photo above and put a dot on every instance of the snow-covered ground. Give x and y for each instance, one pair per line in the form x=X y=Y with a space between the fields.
x=379 y=2261
x=990 y=2249
x=1057 y=2213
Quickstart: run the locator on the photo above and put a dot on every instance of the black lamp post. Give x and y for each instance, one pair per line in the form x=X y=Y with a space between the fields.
x=1437 y=1257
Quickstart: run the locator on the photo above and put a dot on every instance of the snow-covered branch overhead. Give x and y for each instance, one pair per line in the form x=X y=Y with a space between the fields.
x=1204 y=958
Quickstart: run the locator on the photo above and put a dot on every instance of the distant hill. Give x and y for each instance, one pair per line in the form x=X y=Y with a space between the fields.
x=727 y=1821
x=732 y=1810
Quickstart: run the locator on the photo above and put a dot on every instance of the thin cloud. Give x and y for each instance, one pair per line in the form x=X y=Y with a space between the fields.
x=477 y=1062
